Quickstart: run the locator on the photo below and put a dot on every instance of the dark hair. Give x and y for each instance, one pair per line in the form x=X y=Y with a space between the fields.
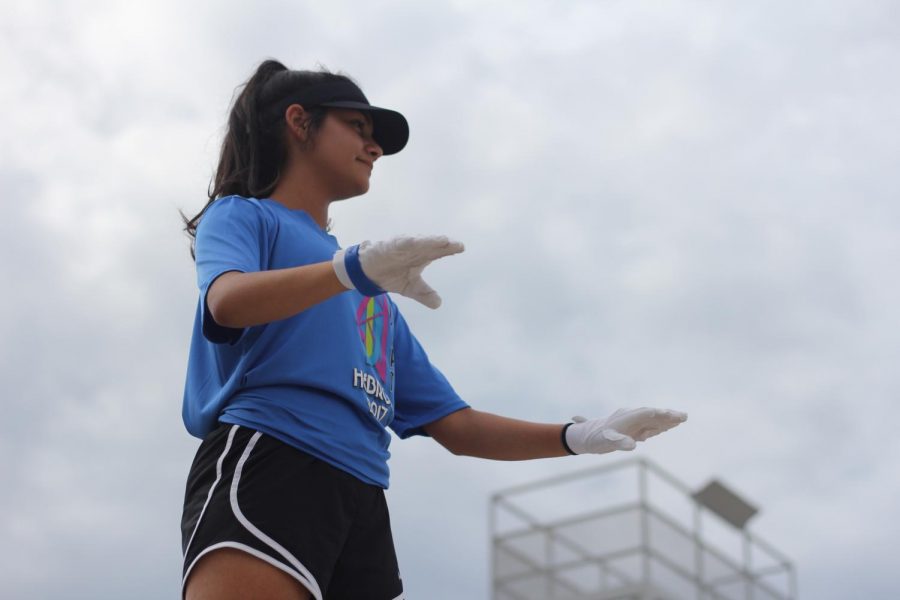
x=253 y=149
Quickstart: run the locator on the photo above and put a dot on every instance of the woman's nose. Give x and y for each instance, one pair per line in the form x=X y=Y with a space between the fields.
x=374 y=150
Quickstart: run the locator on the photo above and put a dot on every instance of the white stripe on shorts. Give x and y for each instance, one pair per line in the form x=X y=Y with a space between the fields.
x=301 y=574
x=253 y=552
x=213 y=487
x=307 y=579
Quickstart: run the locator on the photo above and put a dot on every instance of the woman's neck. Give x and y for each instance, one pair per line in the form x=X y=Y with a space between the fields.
x=295 y=193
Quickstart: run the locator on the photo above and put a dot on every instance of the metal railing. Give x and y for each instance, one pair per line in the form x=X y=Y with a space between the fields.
x=610 y=539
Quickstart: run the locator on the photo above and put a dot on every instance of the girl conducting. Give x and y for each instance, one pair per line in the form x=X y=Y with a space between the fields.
x=300 y=362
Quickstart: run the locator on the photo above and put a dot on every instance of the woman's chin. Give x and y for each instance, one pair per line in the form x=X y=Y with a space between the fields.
x=358 y=190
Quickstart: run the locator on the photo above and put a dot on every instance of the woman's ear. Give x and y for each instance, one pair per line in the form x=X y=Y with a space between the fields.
x=297 y=122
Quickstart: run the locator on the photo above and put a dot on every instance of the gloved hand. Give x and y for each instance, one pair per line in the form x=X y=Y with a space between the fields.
x=621 y=431
x=394 y=265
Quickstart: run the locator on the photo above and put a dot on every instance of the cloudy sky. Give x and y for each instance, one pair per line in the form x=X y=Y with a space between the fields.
x=684 y=204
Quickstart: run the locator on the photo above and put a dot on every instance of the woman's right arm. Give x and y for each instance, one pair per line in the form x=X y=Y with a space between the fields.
x=240 y=300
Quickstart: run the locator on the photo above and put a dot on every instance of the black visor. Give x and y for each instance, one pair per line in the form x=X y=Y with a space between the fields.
x=389 y=128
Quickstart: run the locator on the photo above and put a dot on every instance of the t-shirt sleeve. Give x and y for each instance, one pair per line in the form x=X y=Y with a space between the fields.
x=232 y=236
x=422 y=394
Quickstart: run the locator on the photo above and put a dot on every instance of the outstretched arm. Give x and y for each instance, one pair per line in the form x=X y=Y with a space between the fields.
x=469 y=432
x=238 y=299
x=241 y=300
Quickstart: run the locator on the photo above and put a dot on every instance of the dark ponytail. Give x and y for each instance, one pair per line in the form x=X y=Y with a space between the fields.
x=253 y=149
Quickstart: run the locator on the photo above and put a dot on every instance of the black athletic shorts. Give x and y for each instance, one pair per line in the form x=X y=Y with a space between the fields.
x=321 y=525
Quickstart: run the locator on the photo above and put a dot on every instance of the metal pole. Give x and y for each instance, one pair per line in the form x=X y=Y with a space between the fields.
x=492 y=528
x=550 y=592
x=792 y=580
x=749 y=585
x=698 y=551
x=645 y=524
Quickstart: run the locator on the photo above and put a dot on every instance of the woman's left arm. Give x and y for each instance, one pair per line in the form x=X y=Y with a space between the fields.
x=469 y=432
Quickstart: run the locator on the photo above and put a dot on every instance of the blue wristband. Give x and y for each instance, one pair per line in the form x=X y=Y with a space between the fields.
x=355 y=272
x=564 y=442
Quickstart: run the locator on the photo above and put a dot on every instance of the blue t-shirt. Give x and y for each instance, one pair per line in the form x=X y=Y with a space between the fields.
x=329 y=380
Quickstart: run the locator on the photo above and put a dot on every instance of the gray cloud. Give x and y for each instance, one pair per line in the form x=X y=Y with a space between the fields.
x=687 y=205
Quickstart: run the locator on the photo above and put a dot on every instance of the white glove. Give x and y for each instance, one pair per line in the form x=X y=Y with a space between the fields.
x=394 y=265
x=621 y=431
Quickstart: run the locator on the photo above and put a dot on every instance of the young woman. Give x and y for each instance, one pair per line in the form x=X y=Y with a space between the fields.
x=300 y=361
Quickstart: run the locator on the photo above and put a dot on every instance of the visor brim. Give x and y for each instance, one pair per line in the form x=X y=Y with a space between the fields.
x=389 y=128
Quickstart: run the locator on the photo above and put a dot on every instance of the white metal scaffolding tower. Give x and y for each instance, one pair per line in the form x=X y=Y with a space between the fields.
x=630 y=531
